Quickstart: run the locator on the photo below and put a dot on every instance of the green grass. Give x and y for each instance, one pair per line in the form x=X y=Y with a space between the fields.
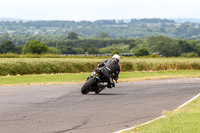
x=79 y=77
x=53 y=78
x=126 y=75
x=184 y=120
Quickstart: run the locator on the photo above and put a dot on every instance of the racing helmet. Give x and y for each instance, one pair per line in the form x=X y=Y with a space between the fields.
x=116 y=56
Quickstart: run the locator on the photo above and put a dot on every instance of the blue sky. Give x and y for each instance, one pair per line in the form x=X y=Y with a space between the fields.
x=98 y=9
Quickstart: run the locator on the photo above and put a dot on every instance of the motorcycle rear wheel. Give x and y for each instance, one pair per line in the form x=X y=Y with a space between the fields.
x=86 y=87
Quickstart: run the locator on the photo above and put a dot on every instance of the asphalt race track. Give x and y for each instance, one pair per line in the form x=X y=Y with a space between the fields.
x=63 y=109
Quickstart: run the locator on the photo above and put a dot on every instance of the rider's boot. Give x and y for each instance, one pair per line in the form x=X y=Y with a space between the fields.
x=111 y=83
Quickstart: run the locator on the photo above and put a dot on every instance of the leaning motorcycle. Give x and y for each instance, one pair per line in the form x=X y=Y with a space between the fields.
x=95 y=83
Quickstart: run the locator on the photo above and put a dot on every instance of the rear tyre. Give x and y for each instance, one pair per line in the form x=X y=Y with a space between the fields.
x=86 y=87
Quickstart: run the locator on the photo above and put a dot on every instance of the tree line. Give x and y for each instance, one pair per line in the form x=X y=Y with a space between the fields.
x=133 y=28
x=74 y=43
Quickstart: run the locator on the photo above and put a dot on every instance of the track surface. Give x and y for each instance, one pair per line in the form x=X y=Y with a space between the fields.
x=63 y=109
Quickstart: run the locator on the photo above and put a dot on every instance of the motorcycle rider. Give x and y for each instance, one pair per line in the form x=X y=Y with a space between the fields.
x=111 y=69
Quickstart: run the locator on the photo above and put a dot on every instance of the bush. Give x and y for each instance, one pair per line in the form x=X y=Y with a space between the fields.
x=93 y=50
x=35 y=47
x=189 y=55
x=116 y=52
x=126 y=66
x=154 y=55
x=141 y=52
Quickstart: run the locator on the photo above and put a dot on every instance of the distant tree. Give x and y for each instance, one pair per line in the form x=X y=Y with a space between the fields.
x=116 y=52
x=104 y=35
x=185 y=46
x=53 y=50
x=132 y=45
x=4 y=37
x=68 y=50
x=162 y=30
x=80 y=51
x=18 y=49
x=72 y=36
x=189 y=55
x=85 y=46
x=141 y=52
x=7 y=46
x=93 y=50
x=197 y=48
x=35 y=47
x=195 y=45
x=165 y=45
x=109 y=49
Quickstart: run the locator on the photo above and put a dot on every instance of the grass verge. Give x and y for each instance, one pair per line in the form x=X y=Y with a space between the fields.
x=81 y=77
x=183 y=120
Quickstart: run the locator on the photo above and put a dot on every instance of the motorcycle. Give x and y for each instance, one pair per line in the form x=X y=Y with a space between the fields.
x=95 y=83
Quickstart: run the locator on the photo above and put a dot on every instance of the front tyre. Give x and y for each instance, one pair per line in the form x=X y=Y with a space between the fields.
x=97 y=91
x=86 y=87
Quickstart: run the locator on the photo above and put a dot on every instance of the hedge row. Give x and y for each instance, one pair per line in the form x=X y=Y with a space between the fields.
x=41 y=66
x=159 y=66
x=24 y=68
x=10 y=55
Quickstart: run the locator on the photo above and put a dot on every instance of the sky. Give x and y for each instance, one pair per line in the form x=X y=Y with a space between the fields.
x=79 y=10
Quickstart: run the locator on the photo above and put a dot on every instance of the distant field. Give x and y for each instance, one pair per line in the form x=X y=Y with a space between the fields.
x=23 y=66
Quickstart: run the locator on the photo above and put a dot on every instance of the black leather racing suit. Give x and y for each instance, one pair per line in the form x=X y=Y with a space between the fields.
x=108 y=68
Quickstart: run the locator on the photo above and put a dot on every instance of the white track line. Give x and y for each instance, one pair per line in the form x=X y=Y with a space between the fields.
x=158 y=117
x=139 y=125
x=189 y=101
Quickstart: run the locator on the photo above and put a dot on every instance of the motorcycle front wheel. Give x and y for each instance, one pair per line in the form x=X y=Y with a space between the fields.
x=86 y=87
